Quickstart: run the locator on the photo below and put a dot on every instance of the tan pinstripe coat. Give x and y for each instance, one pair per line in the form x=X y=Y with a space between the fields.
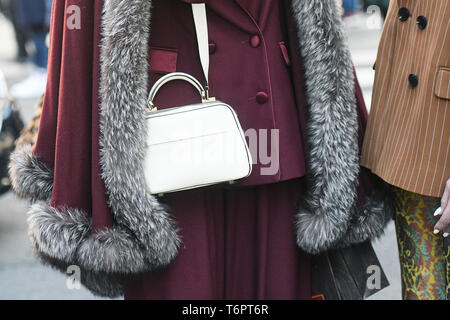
x=407 y=141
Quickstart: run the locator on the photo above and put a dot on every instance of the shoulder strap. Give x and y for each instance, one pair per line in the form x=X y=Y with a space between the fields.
x=201 y=28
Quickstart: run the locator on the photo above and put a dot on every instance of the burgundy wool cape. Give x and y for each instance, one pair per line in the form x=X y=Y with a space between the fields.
x=141 y=235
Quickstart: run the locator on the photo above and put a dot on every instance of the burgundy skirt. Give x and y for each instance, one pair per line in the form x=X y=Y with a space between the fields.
x=238 y=243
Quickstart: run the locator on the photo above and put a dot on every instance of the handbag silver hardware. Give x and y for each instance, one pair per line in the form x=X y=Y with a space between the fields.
x=176 y=76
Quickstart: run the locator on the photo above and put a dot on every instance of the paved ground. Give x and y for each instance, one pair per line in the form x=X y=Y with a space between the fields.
x=22 y=277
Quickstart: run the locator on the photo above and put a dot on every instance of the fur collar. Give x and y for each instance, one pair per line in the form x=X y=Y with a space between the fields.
x=145 y=236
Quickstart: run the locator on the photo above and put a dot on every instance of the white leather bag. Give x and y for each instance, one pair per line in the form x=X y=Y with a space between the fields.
x=194 y=145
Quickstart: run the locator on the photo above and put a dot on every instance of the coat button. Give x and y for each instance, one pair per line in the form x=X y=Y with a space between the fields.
x=255 y=41
x=262 y=97
x=212 y=48
x=403 y=14
x=421 y=22
x=413 y=80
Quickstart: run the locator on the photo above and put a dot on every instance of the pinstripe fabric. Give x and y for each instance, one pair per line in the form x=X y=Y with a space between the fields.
x=408 y=135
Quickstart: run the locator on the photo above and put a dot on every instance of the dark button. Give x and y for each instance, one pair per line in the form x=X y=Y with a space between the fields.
x=262 y=97
x=255 y=41
x=413 y=80
x=403 y=14
x=212 y=48
x=422 y=22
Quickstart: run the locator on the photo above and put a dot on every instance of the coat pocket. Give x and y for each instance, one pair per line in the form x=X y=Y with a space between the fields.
x=442 y=83
x=285 y=53
x=162 y=60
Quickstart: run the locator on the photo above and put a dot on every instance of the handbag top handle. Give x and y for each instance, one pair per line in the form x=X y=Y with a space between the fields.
x=201 y=28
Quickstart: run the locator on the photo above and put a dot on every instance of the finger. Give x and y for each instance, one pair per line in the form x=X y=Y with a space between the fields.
x=438 y=212
x=444 y=222
x=446 y=196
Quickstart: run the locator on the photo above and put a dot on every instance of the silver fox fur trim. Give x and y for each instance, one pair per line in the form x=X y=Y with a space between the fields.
x=30 y=178
x=123 y=95
x=369 y=219
x=326 y=213
x=99 y=283
x=66 y=235
x=145 y=237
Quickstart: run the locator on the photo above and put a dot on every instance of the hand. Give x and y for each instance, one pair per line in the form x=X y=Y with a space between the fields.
x=444 y=211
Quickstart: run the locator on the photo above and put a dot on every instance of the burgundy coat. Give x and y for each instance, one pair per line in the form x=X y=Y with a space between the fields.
x=93 y=203
x=78 y=75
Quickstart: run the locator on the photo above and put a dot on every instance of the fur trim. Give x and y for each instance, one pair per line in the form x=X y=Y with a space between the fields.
x=326 y=211
x=59 y=237
x=99 y=283
x=57 y=233
x=369 y=219
x=123 y=95
x=63 y=237
x=30 y=178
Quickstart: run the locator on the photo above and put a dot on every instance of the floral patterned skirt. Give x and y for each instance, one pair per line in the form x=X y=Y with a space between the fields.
x=424 y=256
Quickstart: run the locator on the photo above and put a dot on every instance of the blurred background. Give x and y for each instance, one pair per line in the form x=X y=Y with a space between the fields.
x=23 y=59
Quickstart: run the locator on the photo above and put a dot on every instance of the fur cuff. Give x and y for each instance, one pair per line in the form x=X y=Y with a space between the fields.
x=317 y=233
x=30 y=178
x=370 y=219
x=98 y=283
x=63 y=237
x=55 y=237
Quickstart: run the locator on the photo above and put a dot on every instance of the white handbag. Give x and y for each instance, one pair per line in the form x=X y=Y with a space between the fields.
x=194 y=145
